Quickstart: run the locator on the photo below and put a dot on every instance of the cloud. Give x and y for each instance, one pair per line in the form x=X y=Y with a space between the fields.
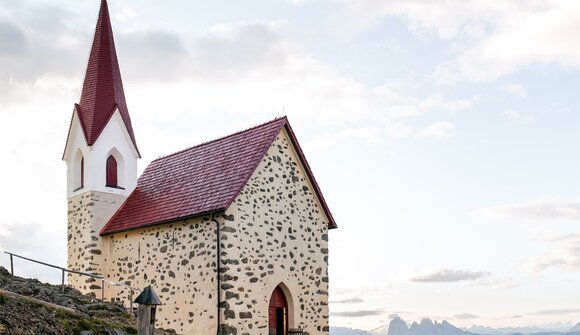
x=564 y=253
x=513 y=115
x=496 y=37
x=545 y=35
x=45 y=39
x=347 y=301
x=238 y=50
x=257 y=65
x=465 y=316
x=449 y=276
x=125 y=14
x=558 y=311
x=498 y=282
x=12 y=39
x=370 y=134
x=445 y=18
x=410 y=107
x=139 y=49
x=515 y=89
x=399 y=130
x=40 y=244
x=436 y=130
x=369 y=291
x=538 y=211
x=356 y=314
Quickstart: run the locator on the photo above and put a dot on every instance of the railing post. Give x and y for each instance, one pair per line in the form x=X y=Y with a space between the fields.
x=102 y=289
x=62 y=277
x=11 y=265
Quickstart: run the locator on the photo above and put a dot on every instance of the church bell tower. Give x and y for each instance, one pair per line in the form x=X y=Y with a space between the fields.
x=101 y=155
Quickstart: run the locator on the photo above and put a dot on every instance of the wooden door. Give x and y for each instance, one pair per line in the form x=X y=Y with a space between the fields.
x=278 y=313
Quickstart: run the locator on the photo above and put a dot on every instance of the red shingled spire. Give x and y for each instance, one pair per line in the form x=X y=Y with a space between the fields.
x=103 y=88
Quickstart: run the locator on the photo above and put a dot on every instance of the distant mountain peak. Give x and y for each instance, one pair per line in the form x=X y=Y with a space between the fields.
x=575 y=328
x=425 y=327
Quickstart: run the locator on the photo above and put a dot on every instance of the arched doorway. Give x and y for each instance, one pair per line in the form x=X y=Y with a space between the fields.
x=278 y=313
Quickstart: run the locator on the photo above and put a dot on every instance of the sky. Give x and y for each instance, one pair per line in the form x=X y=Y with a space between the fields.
x=444 y=134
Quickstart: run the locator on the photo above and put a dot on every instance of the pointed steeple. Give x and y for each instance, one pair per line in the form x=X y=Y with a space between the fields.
x=102 y=91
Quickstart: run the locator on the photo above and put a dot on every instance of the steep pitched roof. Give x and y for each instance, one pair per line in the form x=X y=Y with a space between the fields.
x=102 y=91
x=202 y=179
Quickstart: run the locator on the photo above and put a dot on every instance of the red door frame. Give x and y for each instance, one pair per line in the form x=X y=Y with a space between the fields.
x=278 y=301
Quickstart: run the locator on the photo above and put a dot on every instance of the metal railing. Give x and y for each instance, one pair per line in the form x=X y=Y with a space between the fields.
x=63 y=270
x=291 y=331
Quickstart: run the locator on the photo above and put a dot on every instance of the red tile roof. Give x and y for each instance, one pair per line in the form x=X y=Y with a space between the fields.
x=202 y=179
x=102 y=89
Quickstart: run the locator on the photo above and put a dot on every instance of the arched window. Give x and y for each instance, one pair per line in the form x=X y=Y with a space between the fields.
x=82 y=172
x=111 y=172
x=78 y=171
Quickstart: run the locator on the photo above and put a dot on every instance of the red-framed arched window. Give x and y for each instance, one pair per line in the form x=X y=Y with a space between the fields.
x=112 y=172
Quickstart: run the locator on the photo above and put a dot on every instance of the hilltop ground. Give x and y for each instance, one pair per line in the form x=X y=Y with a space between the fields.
x=67 y=313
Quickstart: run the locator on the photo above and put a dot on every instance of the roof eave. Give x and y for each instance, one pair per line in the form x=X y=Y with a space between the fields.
x=157 y=223
x=68 y=138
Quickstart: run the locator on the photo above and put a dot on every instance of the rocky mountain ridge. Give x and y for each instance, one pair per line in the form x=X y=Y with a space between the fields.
x=398 y=326
x=426 y=327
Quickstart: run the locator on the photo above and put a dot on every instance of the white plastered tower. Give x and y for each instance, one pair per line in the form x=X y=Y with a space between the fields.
x=101 y=156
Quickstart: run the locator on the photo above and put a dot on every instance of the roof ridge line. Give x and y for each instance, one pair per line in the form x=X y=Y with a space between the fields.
x=221 y=138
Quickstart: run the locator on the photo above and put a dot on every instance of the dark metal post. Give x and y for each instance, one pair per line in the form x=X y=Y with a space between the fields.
x=62 y=280
x=218 y=270
x=11 y=265
x=102 y=290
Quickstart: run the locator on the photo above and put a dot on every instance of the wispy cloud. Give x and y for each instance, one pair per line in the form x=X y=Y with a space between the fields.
x=540 y=210
x=564 y=253
x=509 y=35
x=357 y=313
x=516 y=116
x=465 y=316
x=541 y=35
x=368 y=291
x=437 y=130
x=399 y=130
x=497 y=282
x=347 y=301
x=449 y=276
x=558 y=311
x=515 y=89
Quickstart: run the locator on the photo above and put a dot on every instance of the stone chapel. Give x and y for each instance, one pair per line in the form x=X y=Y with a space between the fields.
x=232 y=234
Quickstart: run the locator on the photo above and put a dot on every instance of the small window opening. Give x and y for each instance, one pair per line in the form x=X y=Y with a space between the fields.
x=82 y=173
x=78 y=173
x=112 y=172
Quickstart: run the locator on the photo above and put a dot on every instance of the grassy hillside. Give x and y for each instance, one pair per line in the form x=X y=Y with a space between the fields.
x=66 y=313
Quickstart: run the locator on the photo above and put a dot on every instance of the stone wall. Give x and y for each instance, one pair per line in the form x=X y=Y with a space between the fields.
x=274 y=233
x=179 y=260
x=87 y=214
